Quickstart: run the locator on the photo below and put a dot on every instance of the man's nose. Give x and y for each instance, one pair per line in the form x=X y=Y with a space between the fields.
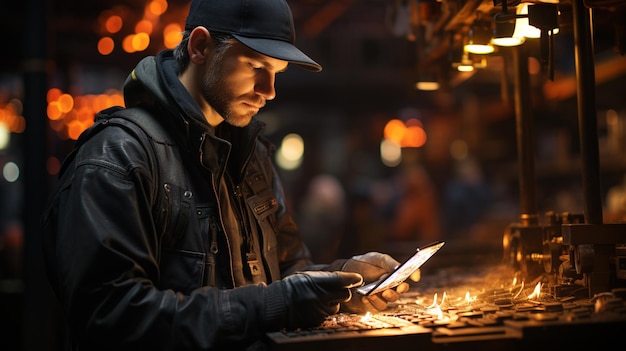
x=265 y=85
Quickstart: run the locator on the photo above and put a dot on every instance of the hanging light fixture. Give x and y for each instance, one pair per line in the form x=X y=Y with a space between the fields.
x=505 y=27
x=427 y=81
x=522 y=27
x=466 y=64
x=505 y=34
x=479 y=38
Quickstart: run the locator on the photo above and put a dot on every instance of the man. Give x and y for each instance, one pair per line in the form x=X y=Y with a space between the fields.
x=178 y=238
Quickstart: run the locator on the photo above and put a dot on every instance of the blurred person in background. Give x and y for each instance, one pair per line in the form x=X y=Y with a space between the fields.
x=322 y=217
x=467 y=200
x=416 y=216
x=208 y=258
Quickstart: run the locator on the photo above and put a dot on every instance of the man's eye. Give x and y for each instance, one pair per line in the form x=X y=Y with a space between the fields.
x=255 y=66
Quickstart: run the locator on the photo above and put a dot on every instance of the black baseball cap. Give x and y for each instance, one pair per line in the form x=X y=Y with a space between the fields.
x=265 y=26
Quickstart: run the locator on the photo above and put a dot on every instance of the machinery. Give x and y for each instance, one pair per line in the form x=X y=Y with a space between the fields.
x=573 y=250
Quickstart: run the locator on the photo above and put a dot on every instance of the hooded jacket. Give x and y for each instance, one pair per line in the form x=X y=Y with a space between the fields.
x=126 y=278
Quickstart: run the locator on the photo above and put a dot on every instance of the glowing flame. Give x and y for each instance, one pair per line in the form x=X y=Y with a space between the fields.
x=469 y=299
x=435 y=309
x=536 y=292
x=520 y=291
x=366 y=317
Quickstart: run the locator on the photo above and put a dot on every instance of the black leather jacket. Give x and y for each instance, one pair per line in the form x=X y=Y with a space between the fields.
x=130 y=276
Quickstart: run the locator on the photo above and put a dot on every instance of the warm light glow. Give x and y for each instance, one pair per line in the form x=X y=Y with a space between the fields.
x=157 y=7
x=479 y=49
x=415 y=136
x=465 y=68
x=53 y=94
x=394 y=130
x=292 y=146
x=53 y=111
x=127 y=44
x=427 y=86
x=468 y=298
x=291 y=151
x=366 y=317
x=536 y=292
x=4 y=136
x=69 y=116
x=520 y=291
x=143 y=26
x=507 y=41
x=409 y=134
x=113 y=24
x=172 y=35
x=141 y=41
x=66 y=103
x=390 y=153
x=522 y=27
x=105 y=46
x=11 y=119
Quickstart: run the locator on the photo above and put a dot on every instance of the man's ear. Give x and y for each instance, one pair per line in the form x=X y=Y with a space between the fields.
x=200 y=45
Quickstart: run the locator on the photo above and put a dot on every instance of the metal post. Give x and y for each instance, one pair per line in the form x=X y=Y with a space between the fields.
x=39 y=314
x=587 y=114
x=525 y=140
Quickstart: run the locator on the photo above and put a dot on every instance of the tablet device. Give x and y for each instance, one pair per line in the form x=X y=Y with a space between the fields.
x=403 y=271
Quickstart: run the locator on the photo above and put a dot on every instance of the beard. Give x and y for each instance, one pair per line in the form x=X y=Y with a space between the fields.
x=216 y=93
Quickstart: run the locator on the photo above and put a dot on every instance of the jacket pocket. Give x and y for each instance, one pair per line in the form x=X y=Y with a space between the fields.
x=264 y=207
x=181 y=270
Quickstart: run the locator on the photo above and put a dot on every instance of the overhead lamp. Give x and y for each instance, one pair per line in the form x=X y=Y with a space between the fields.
x=465 y=64
x=505 y=27
x=522 y=27
x=479 y=39
x=529 y=21
x=427 y=85
x=505 y=34
x=545 y=17
x=427 y=81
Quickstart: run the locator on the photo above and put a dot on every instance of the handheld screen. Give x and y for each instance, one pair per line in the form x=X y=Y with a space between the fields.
x=403 y=271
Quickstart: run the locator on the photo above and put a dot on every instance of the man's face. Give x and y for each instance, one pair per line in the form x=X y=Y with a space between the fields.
x=239 y=81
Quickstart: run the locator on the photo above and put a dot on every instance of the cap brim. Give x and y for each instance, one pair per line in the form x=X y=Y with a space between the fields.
x=281 y=50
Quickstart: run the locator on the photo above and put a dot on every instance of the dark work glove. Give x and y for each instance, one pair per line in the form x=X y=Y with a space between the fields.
x=305 y=299
x=372 y=266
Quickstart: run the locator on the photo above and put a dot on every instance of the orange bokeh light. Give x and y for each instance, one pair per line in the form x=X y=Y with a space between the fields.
x=414 y=136
x=409 y=134
x=144 y=26
x=172 y=35
x=157 y=7
x=105 y=46
x=394 y=130
x=66 y=103
x=82 y=112
x=141 y=41
x=113 y=24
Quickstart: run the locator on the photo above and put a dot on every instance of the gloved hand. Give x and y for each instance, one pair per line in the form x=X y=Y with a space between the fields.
x=373 y=266
x=308 y=297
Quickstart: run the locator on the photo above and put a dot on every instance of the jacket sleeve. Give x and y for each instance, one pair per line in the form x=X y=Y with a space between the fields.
x=101 y=252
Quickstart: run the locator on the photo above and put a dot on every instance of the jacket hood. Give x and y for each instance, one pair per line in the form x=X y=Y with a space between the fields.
x=154 y=82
